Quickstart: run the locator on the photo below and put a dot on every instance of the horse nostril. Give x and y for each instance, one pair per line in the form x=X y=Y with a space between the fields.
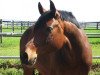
x=24 y=58
x=25 y=55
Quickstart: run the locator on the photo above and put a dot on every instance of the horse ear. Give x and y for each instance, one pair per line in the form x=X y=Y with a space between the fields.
x=52 y=6
x=41 y=10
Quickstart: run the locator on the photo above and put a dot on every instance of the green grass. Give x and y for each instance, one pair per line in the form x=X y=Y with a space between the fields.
x=92 y=31
x=9 y=46
x=95 y=44
x=11 y=71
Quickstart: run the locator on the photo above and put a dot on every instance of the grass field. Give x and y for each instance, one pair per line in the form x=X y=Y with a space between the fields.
x=10 y=47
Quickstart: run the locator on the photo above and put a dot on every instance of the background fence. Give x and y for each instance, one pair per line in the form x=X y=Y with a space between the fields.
x=90 y=25
x=16 y=29
x=17 y=24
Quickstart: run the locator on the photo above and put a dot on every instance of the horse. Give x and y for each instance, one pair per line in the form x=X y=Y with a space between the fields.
x=55 y=46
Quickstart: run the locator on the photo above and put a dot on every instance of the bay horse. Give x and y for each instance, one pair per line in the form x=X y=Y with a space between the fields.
x=55 y=46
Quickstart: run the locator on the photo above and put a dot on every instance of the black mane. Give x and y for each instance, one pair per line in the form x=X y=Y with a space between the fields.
x=69 y=17
x=48 y=15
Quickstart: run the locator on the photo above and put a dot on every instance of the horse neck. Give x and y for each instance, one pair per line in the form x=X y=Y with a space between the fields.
x=64 y=57
x=75 y=37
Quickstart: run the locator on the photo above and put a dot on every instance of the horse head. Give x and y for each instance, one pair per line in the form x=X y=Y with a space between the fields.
x=48 y=30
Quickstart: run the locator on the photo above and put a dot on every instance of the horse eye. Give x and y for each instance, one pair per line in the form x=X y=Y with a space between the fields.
x=49 y=29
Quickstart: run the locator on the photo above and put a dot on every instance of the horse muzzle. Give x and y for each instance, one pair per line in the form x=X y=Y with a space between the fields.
x=27 y=60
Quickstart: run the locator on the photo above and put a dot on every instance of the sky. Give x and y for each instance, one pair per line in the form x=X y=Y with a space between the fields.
x=27 y=10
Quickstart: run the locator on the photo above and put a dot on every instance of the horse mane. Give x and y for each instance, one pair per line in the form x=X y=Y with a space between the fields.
x=65 y=15
x=69 y=17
